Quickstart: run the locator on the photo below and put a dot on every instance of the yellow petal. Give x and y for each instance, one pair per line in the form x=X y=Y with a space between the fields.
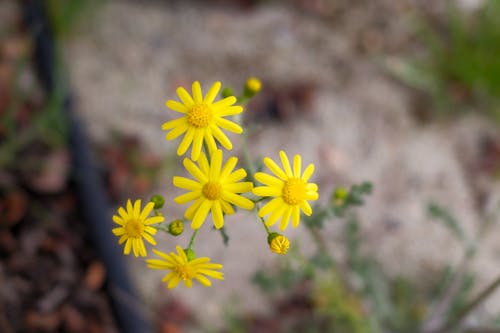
x=276 y=214
x=229 y=111
x=270 y=206
x=203 y=280
x=285 y=218
x=228 y=168
x=118 y=231
x=176 y=106
x=189 y=213
x=268 y=180
x=297 y=166
x=311 y=195
x=308 y=172
x=122 y=239
x=118 y=220
x=147 y=209
x=212 y=92
x=238 y=200
x=219 y=106
x=174 y=123
x=226 y=207
x=312 y=187
x=238 y=187
x=221 y=137
x=154 y=220
x=137 y=208
x=209 y=139
x=185 y=97
x=275 y=168
x=197 y=144
x=195 y=171
x=142 y=248
x=135 y=247
x=150 y=239
x=306 y=208
x=286 y=164
x=186 y=183
x=267 y=191
x=201 y=214
x=215 y=165
x=203 y=164
x=185 y=198
x=236 y=176
x=217 y=215
x=128 y=246
x=123 y=213
x=174 y=281
x=188 y=283
x=212 y=273
x=186 y=141
x=176 y=132
x=197 y=94
x=130 y=208
x=229 y=125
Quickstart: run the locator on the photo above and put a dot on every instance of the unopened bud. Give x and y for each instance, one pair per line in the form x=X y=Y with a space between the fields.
x=252 y=87
x=176 y=227
x=340 y=195
x=226 y=92
x=190 y=254
x=278 y=243
x=158 y=200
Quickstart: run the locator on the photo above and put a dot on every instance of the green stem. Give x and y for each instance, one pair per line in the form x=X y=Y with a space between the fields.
x=191 y=241
x=450 y=327
x=207 y=152
x=265 y=225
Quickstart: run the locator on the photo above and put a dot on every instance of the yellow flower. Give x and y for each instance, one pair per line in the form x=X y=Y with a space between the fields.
x=186 y=270
x=134 y=226
x=215 y=188
x=290 y=190
x=279 y=244
x=202 y=120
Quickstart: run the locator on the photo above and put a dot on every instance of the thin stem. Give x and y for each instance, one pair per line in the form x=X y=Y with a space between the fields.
x=191 y=241
x=265 y=225
x=162 y=227
x=472 y=305
x=205 y=148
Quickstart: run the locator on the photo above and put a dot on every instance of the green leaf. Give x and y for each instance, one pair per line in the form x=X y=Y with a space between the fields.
x=439 y=213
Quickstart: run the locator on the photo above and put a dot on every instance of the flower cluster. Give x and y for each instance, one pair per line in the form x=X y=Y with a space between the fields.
x=215 y=186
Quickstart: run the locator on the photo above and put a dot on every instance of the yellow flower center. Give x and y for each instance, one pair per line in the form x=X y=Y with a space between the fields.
x=199 y=116
x=184 y=272
x=212 y=191
x=294 y=191
x=134 y=228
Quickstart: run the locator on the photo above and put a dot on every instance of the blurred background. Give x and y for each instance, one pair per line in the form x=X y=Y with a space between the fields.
x=403 y=94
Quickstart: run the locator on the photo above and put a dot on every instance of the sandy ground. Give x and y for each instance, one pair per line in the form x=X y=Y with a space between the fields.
x=130 y=58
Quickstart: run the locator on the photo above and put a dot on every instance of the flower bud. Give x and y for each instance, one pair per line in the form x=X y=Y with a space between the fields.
x=226 y=92
x=278 y=243
x=190 y=254
x=252 y=87
x=340 y=195
x=158 y=200
x=176 y=227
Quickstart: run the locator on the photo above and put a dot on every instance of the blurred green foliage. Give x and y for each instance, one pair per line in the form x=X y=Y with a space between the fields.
x=461 y=67
x=66 y=14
